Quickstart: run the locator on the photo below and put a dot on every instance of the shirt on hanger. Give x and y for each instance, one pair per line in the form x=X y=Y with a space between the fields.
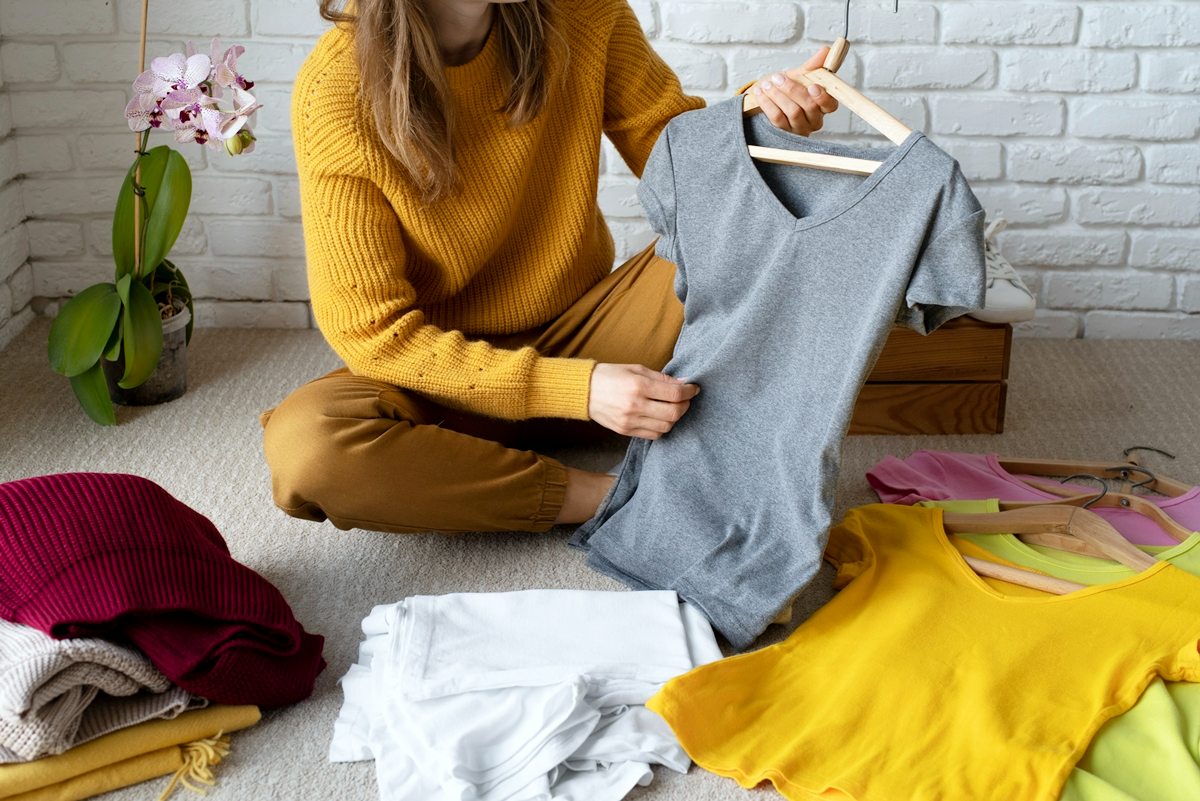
x=791 y=279
x=946 y=475
x=533 y=695
x=918 y=680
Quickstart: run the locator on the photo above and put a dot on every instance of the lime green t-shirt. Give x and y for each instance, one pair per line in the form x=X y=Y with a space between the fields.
x=1152 y=752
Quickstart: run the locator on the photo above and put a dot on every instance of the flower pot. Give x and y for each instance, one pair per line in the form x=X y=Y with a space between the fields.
x=169 y=379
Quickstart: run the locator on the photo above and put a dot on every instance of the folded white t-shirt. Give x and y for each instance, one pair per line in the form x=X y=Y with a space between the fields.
x=523 y=696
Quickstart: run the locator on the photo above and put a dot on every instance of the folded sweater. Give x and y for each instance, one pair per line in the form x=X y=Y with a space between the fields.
x=115 y=556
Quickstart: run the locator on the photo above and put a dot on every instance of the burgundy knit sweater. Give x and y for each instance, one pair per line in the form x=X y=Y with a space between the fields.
x=106 y=555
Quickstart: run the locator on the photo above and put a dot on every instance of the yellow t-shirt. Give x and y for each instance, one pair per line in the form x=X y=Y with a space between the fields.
x=919 y=681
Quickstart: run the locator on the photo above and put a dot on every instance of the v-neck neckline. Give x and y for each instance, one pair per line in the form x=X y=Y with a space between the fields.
x=961 y=567
x=808 y=145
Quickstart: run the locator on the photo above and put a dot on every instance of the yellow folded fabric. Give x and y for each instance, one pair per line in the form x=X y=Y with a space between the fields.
x=104 y=754
x=162 y=762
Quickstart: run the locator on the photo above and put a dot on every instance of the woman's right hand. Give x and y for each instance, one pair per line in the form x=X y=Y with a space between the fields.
x=636 y=401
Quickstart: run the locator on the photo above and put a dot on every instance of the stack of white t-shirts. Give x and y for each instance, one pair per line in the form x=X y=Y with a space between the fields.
x=519 y=696
x=56 y=694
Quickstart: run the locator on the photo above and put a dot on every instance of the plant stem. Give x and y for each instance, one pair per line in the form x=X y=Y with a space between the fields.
x=141 y=147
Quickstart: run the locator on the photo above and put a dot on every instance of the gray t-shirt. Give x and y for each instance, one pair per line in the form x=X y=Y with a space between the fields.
x=791 y=278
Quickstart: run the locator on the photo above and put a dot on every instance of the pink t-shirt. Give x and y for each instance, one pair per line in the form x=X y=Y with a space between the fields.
x=949 y=476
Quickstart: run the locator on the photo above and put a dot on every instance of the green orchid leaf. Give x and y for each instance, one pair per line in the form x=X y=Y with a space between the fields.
x=154 y=165
x=82 y=329
x=143 y=334
x=92 y=393
x=112 y=350
x=168 y=210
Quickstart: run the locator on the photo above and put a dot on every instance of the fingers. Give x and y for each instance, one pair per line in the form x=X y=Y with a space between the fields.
x=817 y=60
x=792 y=106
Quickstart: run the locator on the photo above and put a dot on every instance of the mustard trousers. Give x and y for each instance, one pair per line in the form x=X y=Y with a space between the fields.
x=366 y=454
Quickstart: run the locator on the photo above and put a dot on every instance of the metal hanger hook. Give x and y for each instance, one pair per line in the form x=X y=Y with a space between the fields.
x=846 y=23
x=1126 y=469
x=1147 y=448
x=1103 y=486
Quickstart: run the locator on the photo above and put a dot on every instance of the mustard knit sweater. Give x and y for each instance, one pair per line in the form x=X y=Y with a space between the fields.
x=400 y=287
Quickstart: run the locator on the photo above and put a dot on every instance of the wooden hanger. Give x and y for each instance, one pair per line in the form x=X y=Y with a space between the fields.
x=1111 y=500
x=1061 y=467
x=845 y=94
x=1085 y=525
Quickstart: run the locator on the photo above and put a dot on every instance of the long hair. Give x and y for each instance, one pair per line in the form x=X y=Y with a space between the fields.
x=404 y=83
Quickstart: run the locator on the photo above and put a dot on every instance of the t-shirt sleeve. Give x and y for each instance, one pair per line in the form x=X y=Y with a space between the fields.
x=657 y=195
x=949 y=278
x=848 y=550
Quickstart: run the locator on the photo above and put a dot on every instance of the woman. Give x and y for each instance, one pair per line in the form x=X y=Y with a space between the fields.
x=459 y=264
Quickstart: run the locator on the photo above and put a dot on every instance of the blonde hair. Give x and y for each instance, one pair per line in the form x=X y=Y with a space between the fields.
x=404 y=82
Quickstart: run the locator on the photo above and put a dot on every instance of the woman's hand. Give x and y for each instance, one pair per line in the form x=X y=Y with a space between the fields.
x=636 y=401
x=792 y=106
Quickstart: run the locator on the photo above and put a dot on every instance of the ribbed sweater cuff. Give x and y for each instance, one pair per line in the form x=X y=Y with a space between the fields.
x=559 y=388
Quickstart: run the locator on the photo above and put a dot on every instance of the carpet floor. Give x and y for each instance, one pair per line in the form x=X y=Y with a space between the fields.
x=1080 y=399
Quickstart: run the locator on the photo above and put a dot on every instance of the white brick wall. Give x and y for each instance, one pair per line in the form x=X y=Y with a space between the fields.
x=1077 y=121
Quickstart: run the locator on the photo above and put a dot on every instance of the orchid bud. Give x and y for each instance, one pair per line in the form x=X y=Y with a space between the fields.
x=235 y=144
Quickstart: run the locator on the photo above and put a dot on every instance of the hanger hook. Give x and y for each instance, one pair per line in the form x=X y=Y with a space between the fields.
x=1125 y=469
x=1147 y=448
x=846 y=23
x=1103 y=486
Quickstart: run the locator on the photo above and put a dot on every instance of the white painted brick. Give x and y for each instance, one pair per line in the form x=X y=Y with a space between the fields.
x=29 y=63
x=50 y=238
x=930 y=68
x=997 y=116
x=696 y=68
x=54 y=197
x=647 y=15
x=1024 y=204
x=1009 y=23
x=114 y=151
x=12 y=206
x=1140 y=24
x=1173 y=164
x=266 y=62
x=873 y=23
x=228 y=279
x=15 y=326
x=1133 y=119
x=6 y=123
x=1033 y=281
x=909 y=110
x=1188 y=293
x=631 y=237
x=57 y=279
x=617 y=197
x=61 y=109
x=1049 y=324
x=272 y=154
x=46 y=153
x=1074 y=164
x=248 y=238
x=749 y=64
x=1171 y=72
x=1144 y=207
x=229 y=195
x=287 y=18
x=276 y=113
x=291 y=280
x=56 y=17
x=287 y=197
x=21 y=285
x=10 y=165
x=1109 y=290
x=1141 y=325
x=6 y=302
x=224 y=18
x=14 y=250
x=114 y=62
x=1063 y=248
x=980 y=161
x=1045 y=70
x=243 y=314
x=191 y=240
x=720 y=22
x=1174 y=250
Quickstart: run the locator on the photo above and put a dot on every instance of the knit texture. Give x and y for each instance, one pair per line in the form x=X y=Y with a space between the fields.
x=56 y=694
x=398 y=286
x=94 y=554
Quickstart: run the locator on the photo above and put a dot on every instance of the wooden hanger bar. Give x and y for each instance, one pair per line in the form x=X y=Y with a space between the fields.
x=1024 y=578
x=1110 y=500
x=776 y=155
x=1066 y=467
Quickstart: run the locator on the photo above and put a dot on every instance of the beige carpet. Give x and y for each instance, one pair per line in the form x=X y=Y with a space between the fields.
x=1067 y=399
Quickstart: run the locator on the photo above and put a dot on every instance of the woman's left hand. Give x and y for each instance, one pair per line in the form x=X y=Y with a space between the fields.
x=791 y=105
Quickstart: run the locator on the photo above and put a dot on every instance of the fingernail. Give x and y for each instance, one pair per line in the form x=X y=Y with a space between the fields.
x=682 y=380
x=815 y=91
x=777 y=79
x=757 y=89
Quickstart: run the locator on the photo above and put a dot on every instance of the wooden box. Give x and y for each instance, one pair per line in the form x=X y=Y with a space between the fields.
x=953 y=381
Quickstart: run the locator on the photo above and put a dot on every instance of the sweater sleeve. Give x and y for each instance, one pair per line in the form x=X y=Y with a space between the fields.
x=641 y=93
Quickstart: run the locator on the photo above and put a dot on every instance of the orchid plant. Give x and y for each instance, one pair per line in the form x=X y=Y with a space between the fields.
x=179 y=93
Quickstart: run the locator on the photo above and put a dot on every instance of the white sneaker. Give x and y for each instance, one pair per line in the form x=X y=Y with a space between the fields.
x=1008 y=300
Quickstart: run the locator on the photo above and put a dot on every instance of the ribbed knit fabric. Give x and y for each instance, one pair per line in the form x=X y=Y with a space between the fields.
x=398 y=285
x=94 y=554
x=56 y=694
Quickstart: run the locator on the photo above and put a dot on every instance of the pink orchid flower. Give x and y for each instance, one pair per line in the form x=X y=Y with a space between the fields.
x=225 y=66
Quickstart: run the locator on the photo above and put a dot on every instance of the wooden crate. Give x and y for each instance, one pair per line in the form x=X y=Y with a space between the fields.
x=953 y=381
